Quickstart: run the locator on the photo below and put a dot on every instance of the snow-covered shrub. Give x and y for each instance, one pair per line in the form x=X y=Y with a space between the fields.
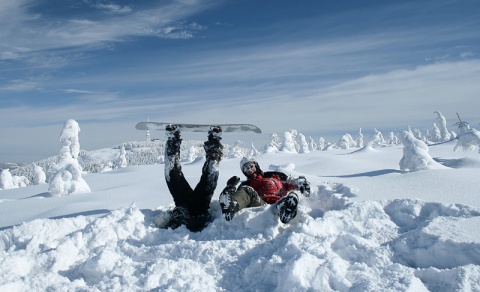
x=415 y=153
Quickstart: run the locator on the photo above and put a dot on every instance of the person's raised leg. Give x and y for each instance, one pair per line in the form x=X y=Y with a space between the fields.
x=176 y=182
x=199 y=201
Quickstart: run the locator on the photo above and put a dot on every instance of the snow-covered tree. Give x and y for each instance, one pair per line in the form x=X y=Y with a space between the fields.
x=69 y=138
x=9 y=181
x=418 y=134
x=321 y=143
x=288 y=143
x=311 y=143
x=253 y=151
x=67 y=178
x=6 y=180
x=346 y=142
x=392 y=139
x=360 y=139
x=192 y=154
x=415 y=153
x=273 y=145
x=303 y=144
x=122 y=158
x=468 y=139
x=20 y=181
x=444 y=133
x=376 y=139
x=435 y=135
x=236 y=150
x=39 y=175
x=295 y=139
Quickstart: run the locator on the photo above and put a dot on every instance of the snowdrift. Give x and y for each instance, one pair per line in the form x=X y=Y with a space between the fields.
x=342 y=240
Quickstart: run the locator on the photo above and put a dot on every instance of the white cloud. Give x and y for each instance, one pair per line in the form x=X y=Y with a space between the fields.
x=113 y=8
x=20 y=85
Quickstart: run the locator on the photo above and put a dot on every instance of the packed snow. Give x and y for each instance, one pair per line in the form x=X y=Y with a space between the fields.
x=392 y=217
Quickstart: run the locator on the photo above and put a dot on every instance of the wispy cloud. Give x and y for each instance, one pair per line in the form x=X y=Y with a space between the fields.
x=19 y=85
x=113 y=8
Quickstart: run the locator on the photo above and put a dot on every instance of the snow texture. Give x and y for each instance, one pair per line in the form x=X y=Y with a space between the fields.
x=367 y=226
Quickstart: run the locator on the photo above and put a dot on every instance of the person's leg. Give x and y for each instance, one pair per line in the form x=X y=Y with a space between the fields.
x=176 y=182
x=199 y=201
x=232 y=201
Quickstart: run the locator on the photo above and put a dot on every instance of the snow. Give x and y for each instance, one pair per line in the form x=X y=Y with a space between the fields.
x=367 y=226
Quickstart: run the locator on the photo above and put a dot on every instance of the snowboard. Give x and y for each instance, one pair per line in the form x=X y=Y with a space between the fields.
x=226 y=128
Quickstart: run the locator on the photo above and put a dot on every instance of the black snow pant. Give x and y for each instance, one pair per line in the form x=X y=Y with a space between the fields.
x=196 y=201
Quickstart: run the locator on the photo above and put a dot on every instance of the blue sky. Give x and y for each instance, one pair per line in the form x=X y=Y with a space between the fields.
x=324 y=68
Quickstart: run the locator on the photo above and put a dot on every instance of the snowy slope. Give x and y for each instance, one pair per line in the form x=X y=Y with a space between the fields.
x=366 y=227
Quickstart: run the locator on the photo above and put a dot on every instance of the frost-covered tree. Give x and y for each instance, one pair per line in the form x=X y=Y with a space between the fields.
x=392 y=139
x=6 y=180
x=311 y=143
x=236 y=150
x=253 y=151
x=39 y=175
x=67 y=177
x=444 y=133
x=295 y=140
x=346 y=142
x=418 y=134
x=192 y=154
x=415 y=153
x=321 y=143
x=273 y=145
x=435 y=135
x=122 y=158
x=303 y=144
x=288 y=143
x=359 y=141
x=468 y=139
x=69 y=138
x=9 y=181
x=376 y=139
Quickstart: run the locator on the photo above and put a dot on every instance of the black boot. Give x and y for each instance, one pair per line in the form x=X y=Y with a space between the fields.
x=288 y=207
x=228 y=204
x=172 y=132
x=213 y=147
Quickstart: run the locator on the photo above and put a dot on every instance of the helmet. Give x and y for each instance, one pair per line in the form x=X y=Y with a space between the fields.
x=245 y=161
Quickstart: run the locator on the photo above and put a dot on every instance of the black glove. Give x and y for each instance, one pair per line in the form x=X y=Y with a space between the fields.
x=305 y=187
x=233 y=181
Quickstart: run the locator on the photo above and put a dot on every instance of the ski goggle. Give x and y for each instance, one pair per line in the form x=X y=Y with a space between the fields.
x=248 y=166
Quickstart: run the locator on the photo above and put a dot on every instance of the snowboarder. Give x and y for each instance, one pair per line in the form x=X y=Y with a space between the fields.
x=191 y=205
x=260 y=188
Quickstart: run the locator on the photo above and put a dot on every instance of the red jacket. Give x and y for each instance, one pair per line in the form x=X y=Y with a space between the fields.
x=270 y=186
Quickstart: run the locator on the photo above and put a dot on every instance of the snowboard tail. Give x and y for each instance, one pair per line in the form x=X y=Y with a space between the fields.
x=226 y=128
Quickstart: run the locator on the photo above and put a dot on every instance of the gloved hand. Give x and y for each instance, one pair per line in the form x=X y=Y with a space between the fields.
x=304 y=186
x=233 y=181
